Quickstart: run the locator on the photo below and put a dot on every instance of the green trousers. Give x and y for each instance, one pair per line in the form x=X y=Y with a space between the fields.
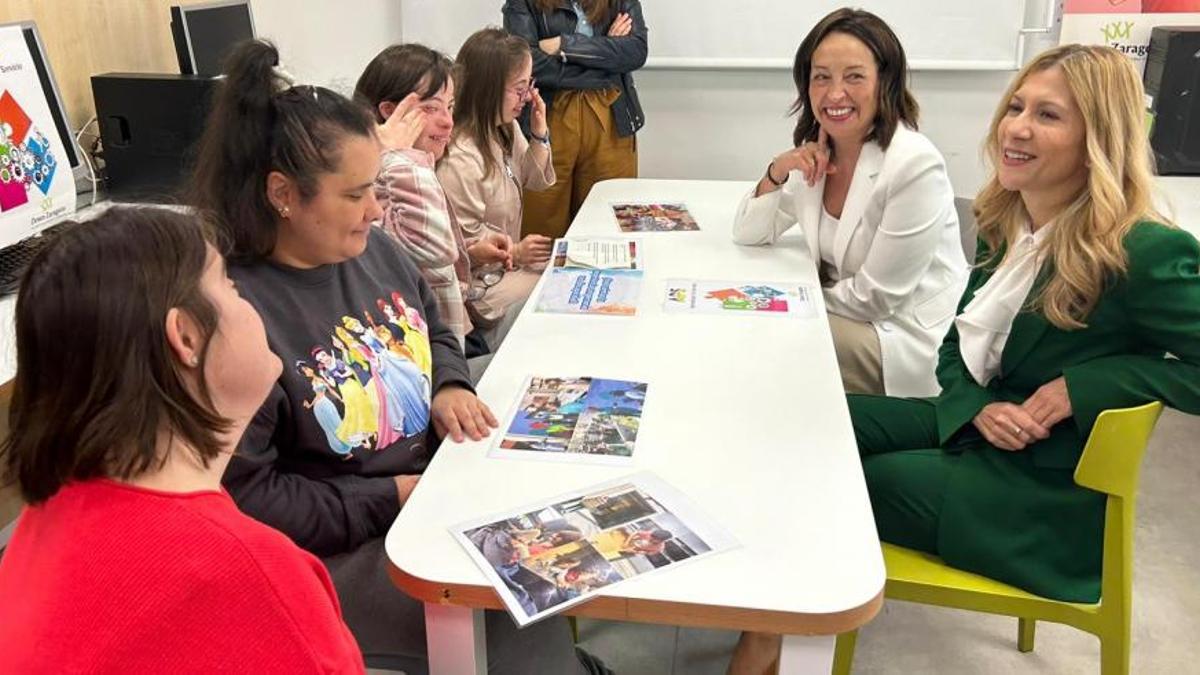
x=979 y=508
x=585 y=149
x=906 y=472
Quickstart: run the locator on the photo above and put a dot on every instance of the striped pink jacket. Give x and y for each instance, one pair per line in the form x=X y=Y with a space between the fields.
x=417 y=215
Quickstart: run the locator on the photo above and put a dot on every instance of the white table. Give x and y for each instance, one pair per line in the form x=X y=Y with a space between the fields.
x=1179 y=196
x=744 y=414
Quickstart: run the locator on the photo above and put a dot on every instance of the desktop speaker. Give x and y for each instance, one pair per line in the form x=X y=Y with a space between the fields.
x=149 y=126
x=1173 y=83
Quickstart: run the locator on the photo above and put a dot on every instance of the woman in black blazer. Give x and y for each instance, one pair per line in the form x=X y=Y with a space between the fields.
x=584 y=55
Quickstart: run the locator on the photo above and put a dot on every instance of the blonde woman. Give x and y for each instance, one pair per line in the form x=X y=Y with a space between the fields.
x=1079 y=292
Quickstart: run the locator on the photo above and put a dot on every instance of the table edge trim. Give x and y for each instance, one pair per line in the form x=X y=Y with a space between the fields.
x=654 y=611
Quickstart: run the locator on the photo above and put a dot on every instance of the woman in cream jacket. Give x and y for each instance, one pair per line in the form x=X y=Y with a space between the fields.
x=489 y=165
x=874 y=205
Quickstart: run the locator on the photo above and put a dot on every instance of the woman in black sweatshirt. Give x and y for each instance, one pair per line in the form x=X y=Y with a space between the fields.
x=286 y=174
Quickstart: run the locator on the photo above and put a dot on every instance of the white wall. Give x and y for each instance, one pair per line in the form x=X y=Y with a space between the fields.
x=328 y=43
x=700 y=124
x=729 y=124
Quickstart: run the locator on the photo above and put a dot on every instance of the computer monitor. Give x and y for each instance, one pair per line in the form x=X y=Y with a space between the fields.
x=204 y=34
x=37 y=150
x=1172 y=81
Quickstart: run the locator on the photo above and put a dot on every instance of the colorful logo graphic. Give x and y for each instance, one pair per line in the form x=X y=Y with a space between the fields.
x=26 y=161
x=750 y=298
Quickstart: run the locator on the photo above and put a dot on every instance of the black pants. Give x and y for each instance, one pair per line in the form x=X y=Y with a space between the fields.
x=390 y=626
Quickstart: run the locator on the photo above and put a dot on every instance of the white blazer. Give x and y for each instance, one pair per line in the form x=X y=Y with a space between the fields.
x=897 y=251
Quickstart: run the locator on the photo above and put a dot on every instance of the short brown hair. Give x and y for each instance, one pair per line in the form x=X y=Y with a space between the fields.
x=398 y=71
x=484 y=62
x=96 y=381
x=895 y=103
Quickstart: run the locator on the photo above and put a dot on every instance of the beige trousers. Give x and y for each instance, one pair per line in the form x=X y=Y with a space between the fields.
x=586 y=150
x=859 y=359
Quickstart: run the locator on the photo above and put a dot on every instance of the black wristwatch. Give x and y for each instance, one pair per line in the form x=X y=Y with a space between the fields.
x=776 y=183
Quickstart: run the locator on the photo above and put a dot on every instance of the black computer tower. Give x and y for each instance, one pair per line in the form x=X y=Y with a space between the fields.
x=1173 y=84
x=180 y=38
x=149 y=127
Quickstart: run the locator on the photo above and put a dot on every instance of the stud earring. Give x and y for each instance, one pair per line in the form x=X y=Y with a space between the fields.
x=195 y=361
x=285 y=212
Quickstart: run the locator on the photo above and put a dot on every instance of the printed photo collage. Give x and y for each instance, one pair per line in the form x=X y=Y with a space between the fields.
x=576 y=416
x=552 y=556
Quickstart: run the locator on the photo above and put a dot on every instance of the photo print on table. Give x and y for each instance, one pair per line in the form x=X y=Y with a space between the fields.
x=574 y=419
x=654 y=217
x=547 y=557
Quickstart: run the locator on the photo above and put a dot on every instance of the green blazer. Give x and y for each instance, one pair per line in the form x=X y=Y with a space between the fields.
x=1018 y=516
x=1118 y=360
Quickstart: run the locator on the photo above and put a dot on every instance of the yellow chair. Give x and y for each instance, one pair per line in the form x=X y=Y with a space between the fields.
x=1110 y=464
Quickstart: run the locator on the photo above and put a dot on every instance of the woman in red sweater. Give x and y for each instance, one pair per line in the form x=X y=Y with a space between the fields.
x=138 y=368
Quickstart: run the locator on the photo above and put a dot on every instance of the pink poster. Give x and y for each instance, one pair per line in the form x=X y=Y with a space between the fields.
x=1124 y=25
x=1170 y=6
x=1102 y=6
x=1130 y=6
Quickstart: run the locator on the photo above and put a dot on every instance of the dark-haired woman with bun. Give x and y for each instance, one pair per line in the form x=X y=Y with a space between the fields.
x=138 y=368
x=287 y=172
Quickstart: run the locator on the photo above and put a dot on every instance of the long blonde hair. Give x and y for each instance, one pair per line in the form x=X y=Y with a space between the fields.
x=1086 y=246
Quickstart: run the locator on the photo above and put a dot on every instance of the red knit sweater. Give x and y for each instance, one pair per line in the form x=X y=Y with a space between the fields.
x=110 y=578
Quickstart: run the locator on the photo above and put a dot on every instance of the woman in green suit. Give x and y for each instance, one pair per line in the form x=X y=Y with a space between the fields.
x=1079 y=293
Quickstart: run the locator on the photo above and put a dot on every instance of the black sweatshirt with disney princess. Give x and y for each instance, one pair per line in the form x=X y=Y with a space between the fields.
x=363 y=352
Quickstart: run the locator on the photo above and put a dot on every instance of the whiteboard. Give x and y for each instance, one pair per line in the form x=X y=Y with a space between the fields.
x=936 y=34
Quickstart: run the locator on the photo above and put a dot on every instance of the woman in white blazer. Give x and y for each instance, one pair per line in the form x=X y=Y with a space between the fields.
x=874 y=205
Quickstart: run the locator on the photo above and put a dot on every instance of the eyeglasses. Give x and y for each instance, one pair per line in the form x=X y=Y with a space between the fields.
x=525 y=92
x=483 y=280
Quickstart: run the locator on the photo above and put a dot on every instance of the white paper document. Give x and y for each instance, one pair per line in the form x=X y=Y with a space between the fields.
x=598 y=254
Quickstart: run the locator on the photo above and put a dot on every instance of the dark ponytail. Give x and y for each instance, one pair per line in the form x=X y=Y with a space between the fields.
x=261 y=123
